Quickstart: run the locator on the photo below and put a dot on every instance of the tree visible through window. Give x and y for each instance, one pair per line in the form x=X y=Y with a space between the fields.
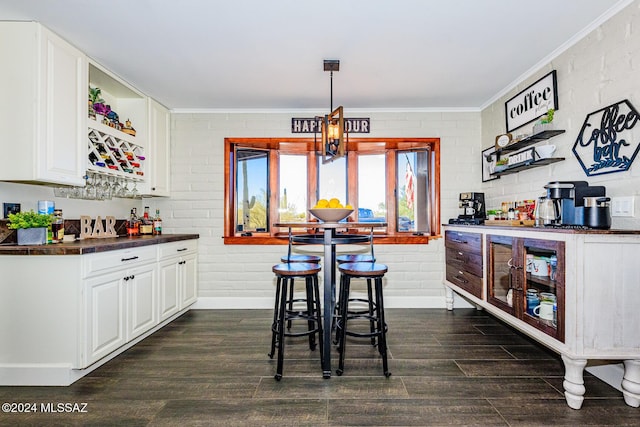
x=251 y=190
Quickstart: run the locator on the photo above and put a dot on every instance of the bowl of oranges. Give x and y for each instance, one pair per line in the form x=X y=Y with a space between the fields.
x=331 y=210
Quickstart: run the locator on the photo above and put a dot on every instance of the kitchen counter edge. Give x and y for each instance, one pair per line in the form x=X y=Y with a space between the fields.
x=89 y=246
x=544 y=229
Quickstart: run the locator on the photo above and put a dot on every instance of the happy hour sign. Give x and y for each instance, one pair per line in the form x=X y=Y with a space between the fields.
x=609 y=139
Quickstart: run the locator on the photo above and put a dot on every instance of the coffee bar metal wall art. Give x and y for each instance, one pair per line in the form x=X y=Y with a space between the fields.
x=609 y=139
x=533 y=102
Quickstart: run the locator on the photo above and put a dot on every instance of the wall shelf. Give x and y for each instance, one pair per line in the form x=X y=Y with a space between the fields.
x=534 y=161
x=531 y=139
x=528 y=165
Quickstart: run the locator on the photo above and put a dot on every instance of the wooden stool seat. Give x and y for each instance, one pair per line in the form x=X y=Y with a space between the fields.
x=296 y=269
x=313 y=259
x=363 y=269
x=350 y=258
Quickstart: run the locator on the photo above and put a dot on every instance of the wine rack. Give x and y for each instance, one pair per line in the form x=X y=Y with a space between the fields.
x=115 y=153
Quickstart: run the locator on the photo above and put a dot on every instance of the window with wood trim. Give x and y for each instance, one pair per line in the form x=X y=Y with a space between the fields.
x=272 y=180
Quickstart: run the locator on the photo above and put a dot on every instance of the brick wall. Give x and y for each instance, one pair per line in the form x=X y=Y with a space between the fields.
x=596 y=71
x=240 y=276
x=600 y=69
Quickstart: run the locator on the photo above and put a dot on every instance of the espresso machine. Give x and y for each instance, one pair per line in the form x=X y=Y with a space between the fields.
x=580 y=205
x=473 y=210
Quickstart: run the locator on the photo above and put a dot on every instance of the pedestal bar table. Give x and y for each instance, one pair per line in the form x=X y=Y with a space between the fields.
x=329 y=239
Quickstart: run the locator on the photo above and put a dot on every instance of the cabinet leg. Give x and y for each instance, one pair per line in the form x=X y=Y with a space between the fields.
x=631 y=383
x=448 y=297
x=573 y=381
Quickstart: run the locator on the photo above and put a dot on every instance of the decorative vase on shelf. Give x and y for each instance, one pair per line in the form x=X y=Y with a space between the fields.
x=545 y=123
x=541 y=127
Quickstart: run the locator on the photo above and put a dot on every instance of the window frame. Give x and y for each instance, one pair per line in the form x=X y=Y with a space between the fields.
x=388 y=146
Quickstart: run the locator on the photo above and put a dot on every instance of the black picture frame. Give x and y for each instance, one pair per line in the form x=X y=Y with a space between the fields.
x=535 y=112
x=489 y=159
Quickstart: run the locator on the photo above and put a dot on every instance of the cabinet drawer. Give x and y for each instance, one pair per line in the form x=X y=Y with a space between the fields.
x=465 y=280
x=173 y=249
x=465 y=242
x=114 y=260
x=466 y=261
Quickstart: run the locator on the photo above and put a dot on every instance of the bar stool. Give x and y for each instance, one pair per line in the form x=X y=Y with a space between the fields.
x=286 y=312
x=359 y=257
x=364 y=270
x=369 y=301
x=290 y=257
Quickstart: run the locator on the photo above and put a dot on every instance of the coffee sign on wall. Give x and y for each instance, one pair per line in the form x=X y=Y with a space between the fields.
x=609 y=139
x=533 y=102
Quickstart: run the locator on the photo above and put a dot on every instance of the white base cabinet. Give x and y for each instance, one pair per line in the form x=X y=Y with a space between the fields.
x=63 y=315
x=121 y=304
x=178 y=276
x=601 y=300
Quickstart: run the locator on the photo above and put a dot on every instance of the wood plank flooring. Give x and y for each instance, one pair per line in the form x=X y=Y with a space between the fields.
x=210 y=368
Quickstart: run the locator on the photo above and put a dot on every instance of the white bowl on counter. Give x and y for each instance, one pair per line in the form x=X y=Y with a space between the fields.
x=330 y=214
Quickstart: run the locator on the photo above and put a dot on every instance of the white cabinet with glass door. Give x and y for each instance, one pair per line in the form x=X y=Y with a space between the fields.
x=590 y=275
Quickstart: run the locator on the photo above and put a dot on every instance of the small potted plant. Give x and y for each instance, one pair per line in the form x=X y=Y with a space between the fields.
x=31 y=227
x=96 y=103
x=501 y=165
x=545 y=122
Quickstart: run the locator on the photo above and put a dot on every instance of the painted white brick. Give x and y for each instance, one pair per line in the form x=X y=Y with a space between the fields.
x=598 y=69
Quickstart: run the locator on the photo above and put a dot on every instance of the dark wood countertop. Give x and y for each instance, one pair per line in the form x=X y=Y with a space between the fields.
x=545 y=229
x=89 y=246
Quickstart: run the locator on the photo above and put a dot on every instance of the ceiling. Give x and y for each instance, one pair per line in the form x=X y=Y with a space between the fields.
x=268 y=54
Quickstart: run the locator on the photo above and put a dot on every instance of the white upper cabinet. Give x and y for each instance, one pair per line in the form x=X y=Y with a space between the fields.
x=159 y=146
x=43 y=81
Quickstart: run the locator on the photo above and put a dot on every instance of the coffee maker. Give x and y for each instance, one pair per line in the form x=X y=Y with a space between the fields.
x=570 y=197
x=473 y=211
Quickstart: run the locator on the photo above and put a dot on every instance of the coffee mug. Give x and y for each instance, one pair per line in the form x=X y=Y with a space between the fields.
x=544 y=311
x=532 y=302
x=547 y=296
x=540 y=267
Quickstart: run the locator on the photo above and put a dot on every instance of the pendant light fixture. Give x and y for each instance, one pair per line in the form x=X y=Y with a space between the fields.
x=334 y=137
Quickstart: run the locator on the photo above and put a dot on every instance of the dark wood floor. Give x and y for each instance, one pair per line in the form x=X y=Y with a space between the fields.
x=211 y=368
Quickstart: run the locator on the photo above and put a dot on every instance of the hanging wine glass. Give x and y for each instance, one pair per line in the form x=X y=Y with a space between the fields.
x=134 y=191
x=124 y=192
x=116 y=190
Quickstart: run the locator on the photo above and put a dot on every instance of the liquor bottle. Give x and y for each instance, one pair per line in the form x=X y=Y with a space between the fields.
x=157 y=223
x=57 y=227
x=133 y=223
x=146 y=226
